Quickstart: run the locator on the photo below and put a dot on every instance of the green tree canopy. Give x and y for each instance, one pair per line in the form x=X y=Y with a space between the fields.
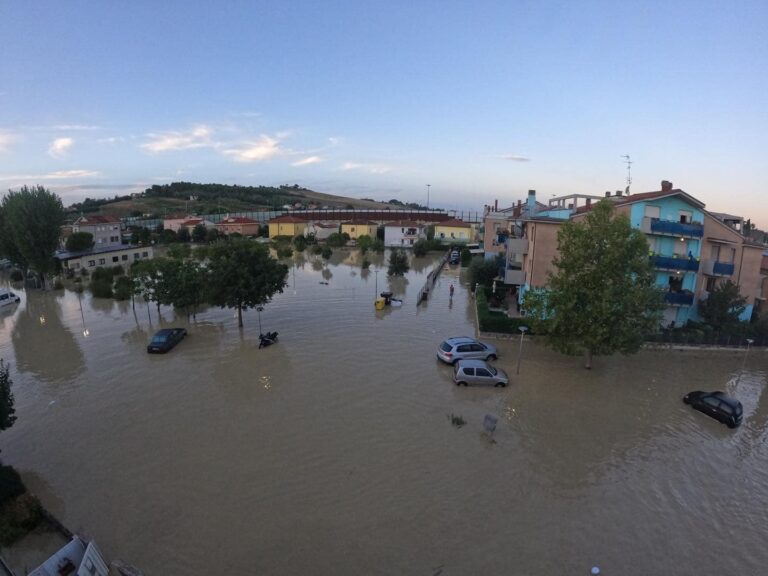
x=602 y=298
x=722 y=308
x=241 y=274
x=79 y=241
x=398 y=263
x=31 y=224
x=199 y=233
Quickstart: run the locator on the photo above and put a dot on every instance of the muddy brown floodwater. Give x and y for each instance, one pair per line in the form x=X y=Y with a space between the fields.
x=332 y=452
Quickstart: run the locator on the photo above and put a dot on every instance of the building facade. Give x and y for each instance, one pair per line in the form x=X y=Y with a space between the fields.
x=106 y=230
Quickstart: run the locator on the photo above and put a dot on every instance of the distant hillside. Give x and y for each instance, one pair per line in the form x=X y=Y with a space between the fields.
x=194 y=198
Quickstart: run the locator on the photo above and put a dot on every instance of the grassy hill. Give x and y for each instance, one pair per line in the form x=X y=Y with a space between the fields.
x=191 y=198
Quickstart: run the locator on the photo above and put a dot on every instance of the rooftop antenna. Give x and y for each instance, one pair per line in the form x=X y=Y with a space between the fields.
x=628 y=162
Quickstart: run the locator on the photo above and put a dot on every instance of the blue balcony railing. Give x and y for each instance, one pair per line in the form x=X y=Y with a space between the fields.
x=722 y=269
x=679 y=298
x=659 y=226
x=670 y=263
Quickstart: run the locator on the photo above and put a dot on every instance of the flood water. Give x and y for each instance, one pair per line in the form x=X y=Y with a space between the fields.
x=333 y=452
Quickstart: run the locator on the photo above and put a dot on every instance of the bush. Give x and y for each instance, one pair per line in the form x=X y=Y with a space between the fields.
x=317 y=249
x=300 y=243
x=101 y=288
x=58 y=284
x=284 y=251
x=10 y=484
x=366 y=264
x=326 y=252
x=497 y=321
x=18 y=517
x=118 y=270
x=17 y=275
x=123 y=288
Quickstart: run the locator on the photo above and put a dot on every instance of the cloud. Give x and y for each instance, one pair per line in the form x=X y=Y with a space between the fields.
x=362 y=167
x=264 y=148
x=59 y=175
x=199 y=137
x=74 y=127
x=111 y=140
x=307 y=161
x=334 y=141
x=515 y=158
x=6 y=138
x=60 y=146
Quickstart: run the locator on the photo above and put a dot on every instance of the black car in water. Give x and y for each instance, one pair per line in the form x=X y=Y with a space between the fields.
x=719 y=405
x=166 y=339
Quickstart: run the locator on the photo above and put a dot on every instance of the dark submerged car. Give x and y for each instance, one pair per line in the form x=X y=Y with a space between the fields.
x=166 y=339
x=719 y=405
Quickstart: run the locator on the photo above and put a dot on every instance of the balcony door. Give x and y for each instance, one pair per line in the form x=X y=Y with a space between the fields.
x=652 y=212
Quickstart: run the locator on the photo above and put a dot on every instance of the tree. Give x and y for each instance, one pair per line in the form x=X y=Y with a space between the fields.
x=31 y=222
x=79 y=242
x=483 y=272
x=420 y=247
x=398 y=263
x=7 y=411
x=722 y=308
x=364 y=243
x=300 y=243
x=602 y=298
x=183 y=235
x=199 y=233
x=241 y=274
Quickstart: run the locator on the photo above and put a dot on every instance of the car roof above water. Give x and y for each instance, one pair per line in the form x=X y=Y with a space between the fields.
x=471 y=364
x=460 y=340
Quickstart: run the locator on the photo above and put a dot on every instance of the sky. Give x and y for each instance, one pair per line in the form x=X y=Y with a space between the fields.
x=453 y=103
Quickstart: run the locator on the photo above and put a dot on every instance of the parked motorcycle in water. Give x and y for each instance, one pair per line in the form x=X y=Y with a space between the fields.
x=267 y=339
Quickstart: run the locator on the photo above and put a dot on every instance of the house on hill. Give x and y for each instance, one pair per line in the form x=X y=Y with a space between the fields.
x=104 y=229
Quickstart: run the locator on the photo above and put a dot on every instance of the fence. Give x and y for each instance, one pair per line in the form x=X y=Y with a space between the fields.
x=431 y=279
x=700 y=338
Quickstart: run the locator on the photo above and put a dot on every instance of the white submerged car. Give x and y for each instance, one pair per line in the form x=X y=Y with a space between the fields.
x=8 y=298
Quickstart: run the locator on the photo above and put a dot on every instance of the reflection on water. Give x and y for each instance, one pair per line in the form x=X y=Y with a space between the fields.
x=331 y=453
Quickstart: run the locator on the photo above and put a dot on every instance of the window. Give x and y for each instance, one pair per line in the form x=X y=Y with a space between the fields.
x=144 y=255
x=102 y=261
x=3 y=296
x=715 y=252
x=685 y=217
x=124 y=256
x=91 y=263
x=469 y=371
x=711 y=284
x=483 y=372
x=675 y=283
x=652 y=212
x=681 y=247
x=713 y=402
x=115 y=259
x=135 y=255
x=464 y=348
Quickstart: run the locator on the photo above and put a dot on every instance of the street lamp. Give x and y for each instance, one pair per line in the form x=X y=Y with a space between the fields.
x=428 y=187
x=259 y=309
x=523 y=330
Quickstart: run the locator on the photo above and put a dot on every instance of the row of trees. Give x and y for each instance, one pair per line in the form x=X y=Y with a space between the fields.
x=237 y=274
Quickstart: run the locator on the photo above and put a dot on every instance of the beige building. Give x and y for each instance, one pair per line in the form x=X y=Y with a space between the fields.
x=357 y=228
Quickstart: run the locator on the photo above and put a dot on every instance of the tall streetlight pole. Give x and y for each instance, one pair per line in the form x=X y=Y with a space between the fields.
x=428 y=187
x=523 y=330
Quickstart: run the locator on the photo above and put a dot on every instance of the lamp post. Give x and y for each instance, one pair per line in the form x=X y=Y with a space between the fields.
x=376 y=295
x=259 y=309
x=428 y=187
x=523 y=330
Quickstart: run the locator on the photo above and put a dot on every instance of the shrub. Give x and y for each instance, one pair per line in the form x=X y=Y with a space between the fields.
x=118 y=270
x=17 y=275
x=300 y=243
x=497 y=321
x=10 y=484
x=284 y=251
x=326 y=252
x=317 y=249
x=101 y=288
x=18 y=517
x=123 y=288
x=58 y=284
x=366 y=264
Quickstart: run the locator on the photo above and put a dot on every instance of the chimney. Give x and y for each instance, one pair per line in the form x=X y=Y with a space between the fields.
x=666 y=186
x=618 y=192
x=607 y=193
x=496 y=205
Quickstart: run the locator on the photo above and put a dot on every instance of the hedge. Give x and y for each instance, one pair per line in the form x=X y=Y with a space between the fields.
x=496 y=321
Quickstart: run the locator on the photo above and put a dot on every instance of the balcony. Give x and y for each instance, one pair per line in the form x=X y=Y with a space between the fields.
x=517 y=245
x=514 y=277
x=679 y=298
x=672 y=263
x=671 y=228
x=715 y=268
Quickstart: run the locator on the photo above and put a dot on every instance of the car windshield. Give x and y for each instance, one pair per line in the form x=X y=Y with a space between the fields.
x=492 y=370
x=445 y=347
x=159 y=338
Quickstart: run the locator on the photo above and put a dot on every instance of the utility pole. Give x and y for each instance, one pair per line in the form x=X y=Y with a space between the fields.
x=628 y=162
x=428 y=187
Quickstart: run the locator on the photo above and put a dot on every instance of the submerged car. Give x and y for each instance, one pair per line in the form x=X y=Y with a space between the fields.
x=719 y=405
x=463 y=347
x=7 y=298
x=478 y=372
x=166 y=339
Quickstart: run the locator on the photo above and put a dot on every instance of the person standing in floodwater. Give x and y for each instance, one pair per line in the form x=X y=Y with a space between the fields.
x=451 y=289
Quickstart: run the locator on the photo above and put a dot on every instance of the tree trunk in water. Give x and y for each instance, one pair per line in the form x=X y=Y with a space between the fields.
x=588 y=360
x=239 y=317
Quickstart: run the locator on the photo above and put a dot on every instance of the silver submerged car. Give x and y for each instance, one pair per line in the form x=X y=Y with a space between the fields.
x=478 y=372
x=463 y=347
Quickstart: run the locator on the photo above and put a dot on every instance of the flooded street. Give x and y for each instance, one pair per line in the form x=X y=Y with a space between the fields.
x=332 y=452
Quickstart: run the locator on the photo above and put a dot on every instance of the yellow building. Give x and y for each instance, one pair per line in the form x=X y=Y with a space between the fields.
x=287 y=226
x=357 y=228
x=453 y=231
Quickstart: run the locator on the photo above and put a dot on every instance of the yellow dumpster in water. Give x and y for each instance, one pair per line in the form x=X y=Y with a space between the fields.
x=379 y=303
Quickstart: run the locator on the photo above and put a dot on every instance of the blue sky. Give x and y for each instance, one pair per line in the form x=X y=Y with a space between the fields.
x=482 y=100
